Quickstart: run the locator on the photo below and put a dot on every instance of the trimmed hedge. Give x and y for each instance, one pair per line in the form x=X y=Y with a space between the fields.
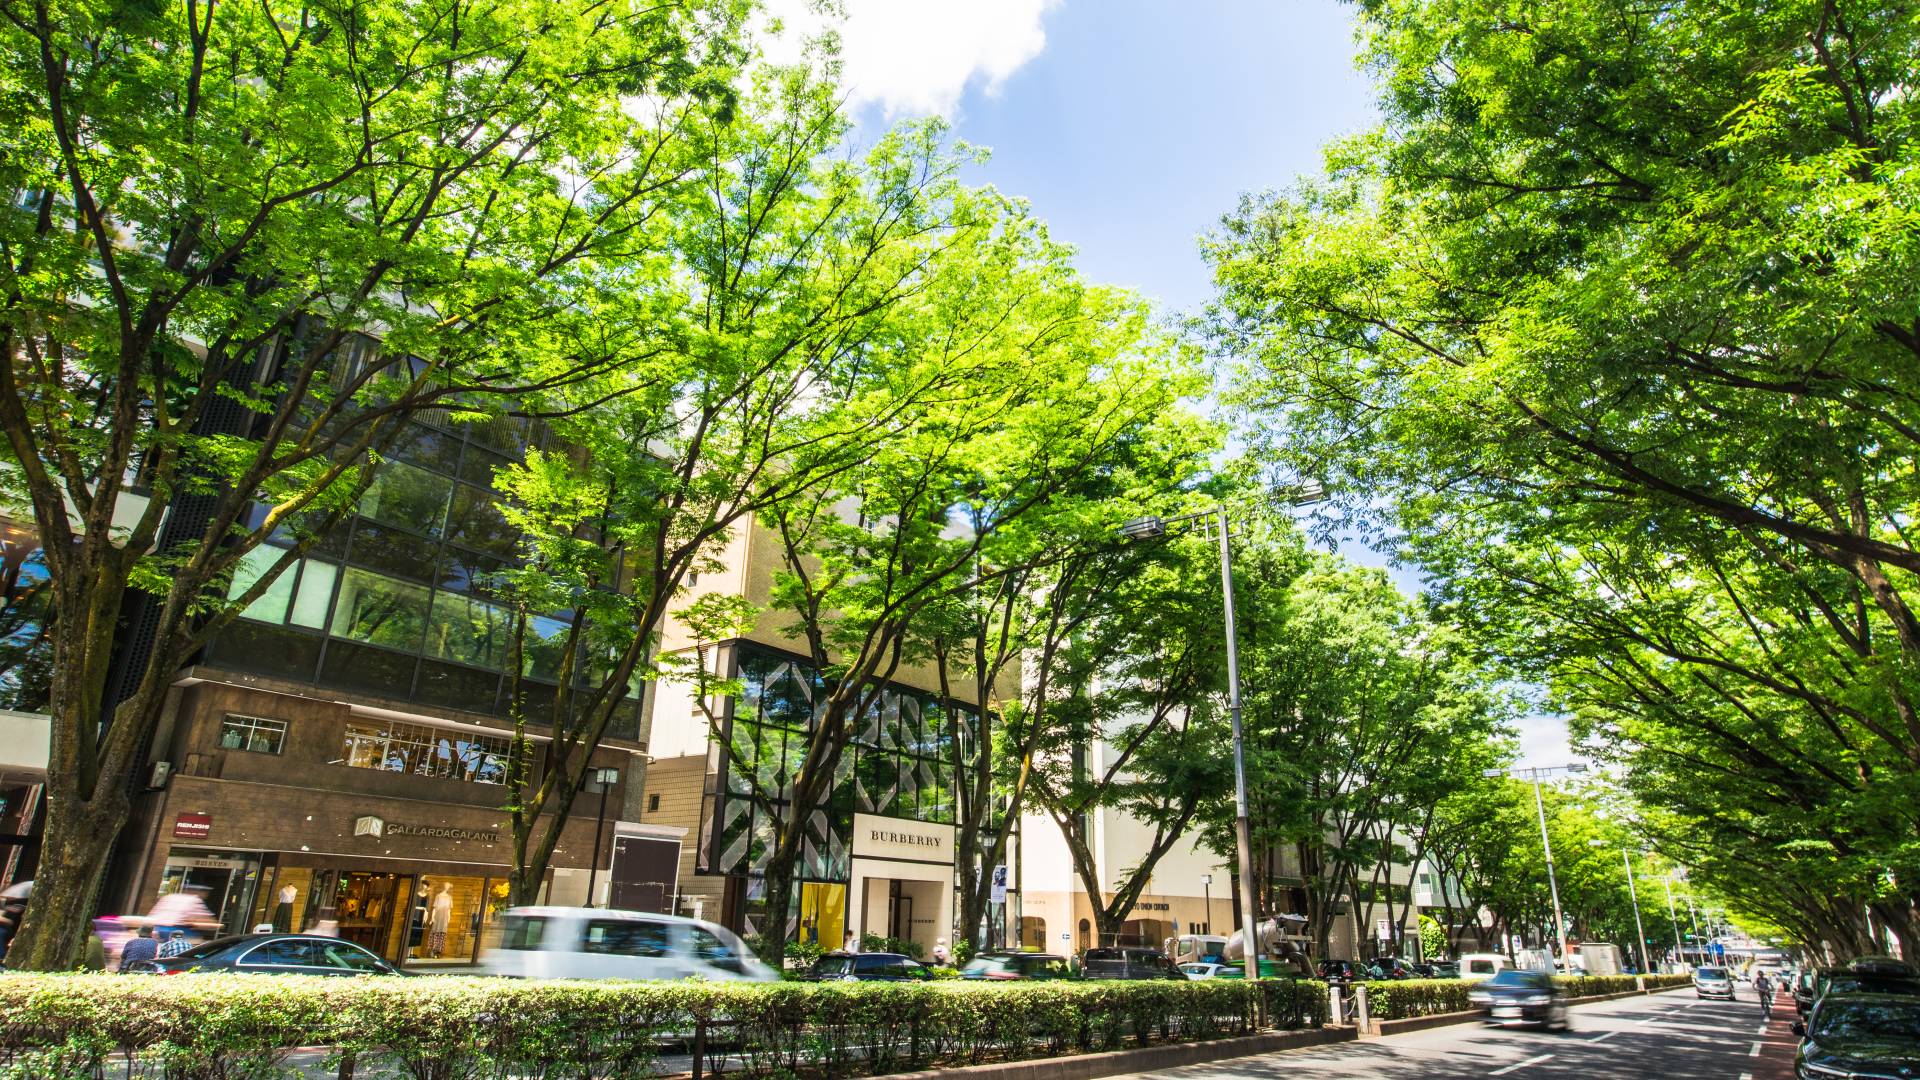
x=221 y=1027
x=1401 y=999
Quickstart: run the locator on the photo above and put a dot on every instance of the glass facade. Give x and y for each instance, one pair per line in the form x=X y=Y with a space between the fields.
x=909 y=751
x=396 y=602
x=427 y=751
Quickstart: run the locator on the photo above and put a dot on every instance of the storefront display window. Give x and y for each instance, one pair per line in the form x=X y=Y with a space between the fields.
x=427 y=751
x=253 y=733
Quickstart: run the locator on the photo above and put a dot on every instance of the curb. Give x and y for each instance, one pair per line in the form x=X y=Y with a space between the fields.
x=1144 y=1059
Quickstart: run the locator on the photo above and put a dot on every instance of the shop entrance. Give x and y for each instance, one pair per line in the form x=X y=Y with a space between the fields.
x=823 y=914
x=224 y=885
x=370 y=909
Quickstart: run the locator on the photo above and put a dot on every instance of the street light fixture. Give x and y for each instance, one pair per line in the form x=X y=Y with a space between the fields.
x=1206 y=888
x=1153 y=528
x=1546 y=845
x=605 y=778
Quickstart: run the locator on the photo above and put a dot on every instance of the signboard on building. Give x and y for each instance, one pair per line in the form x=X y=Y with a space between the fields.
x=373 y=825
x=998 y=894
x=1383 y=929
x=193 y=826
x=897 y=838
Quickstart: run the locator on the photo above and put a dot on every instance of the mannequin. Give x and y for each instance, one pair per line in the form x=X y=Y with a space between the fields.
x=437 y=922
x=283 y=910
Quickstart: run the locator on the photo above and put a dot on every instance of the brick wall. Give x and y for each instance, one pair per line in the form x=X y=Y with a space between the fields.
x=676 y=782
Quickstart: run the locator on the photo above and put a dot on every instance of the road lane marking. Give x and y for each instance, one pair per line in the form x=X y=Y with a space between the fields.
x=1603 y=1038
x=1761 y=1030
x=1746 y=1076
x=1520 y=1065
x=1755 y=1052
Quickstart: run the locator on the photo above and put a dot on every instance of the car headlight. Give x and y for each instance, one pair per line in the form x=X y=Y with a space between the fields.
x=1817 y=1069
x=1536 y=999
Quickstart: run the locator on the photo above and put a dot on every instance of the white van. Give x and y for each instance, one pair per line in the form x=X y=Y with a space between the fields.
x=598 y=943
x=1483 y=965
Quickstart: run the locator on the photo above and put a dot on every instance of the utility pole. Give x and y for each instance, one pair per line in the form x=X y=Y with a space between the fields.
x=1679 y=951
x=1546 y=845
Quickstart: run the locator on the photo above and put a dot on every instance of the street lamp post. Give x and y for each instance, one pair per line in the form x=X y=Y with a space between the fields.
x=1673 y=916
x=1206 y=889
x=1695 y=916
x=606 y=778
x=1152 y=528
x=1633 y=894
x=1546 y=845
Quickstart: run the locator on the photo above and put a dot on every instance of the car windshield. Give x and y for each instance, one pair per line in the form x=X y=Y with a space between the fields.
x=1518 y=978
x=832 y=965
x=980 y=965
x=1856 y=1019
x=1712 y=973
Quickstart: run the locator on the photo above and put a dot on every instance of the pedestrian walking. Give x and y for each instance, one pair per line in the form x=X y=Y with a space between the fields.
x=175 y=944
x=139 y=947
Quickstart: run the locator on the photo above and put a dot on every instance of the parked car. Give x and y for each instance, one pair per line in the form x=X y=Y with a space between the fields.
x=1003 y=966
x=1802 y=988
x=1202 y=970
x=601 y=943
x=1127 y=963
x=1867 y=975
x=1341 y=971
x=1444 y=969
x=1392 y=967
x=1860 y=1035
x=1712 y=982
x=867 y=967
x=1511 y=998
x=270 y=954
x=1483 y=965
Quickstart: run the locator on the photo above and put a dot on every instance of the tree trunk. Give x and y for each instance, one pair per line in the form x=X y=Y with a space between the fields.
x=779 y=883
x=73 y=858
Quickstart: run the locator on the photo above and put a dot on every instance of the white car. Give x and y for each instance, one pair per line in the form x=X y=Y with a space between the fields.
x=1483 y=965
x=1202 y=970
x=598 y=943
x=1712 y=982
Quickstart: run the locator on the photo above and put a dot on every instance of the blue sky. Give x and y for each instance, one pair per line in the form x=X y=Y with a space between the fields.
x=1131 y=125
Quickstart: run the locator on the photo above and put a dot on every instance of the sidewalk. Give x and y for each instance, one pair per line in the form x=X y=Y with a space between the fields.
x=1774 y=1044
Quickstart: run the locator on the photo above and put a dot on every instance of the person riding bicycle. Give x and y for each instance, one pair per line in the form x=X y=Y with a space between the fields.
x=1764 y=987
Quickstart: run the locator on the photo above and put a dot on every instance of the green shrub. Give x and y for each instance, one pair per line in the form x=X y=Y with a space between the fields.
x=876 y=943
x=233 y=1027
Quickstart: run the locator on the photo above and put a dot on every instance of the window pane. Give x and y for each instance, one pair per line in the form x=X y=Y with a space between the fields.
x=469 y=631
x=546 y=646
x=315 y=592
x=409 y=497
x=392 y=552
x=476 y=522
x=363 y=667
x=380 y=610
x=457 y=687
x=272 y=604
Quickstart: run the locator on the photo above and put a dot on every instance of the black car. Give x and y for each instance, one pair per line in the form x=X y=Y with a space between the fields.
x=1392 y=967
x=1124 y=963
x=1342 y=971
x=867 y=967
x=1867 y=975
x=1004 y=966
x=1865 y=1035
x=1513 y=998
x=270 y=954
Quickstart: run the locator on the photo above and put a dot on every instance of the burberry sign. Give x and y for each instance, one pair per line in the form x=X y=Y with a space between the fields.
x=896 y=838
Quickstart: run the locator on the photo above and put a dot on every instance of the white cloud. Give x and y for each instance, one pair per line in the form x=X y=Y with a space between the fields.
x=915 y=57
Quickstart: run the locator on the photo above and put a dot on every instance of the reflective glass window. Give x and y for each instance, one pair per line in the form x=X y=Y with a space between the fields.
x=380 y=610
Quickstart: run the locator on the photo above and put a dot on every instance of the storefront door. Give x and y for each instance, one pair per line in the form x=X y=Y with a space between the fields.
x=823 y=913
x=372 y=909
x=224 y=883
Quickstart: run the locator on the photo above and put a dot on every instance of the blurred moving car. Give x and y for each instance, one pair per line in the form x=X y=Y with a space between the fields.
x=1512 y=998
x=269 y=954
x=1127 y=963
x=1712 y=982
x=601 y=943
x=1860 y=1035
x=1200 y=970
x=1269 y=969
x=1004 y=966
x=867 y=967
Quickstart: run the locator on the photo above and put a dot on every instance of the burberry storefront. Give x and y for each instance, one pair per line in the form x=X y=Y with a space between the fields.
x=879 y=857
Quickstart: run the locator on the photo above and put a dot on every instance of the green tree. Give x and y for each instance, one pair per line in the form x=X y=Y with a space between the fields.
x=1615 y=312
x=211 y=206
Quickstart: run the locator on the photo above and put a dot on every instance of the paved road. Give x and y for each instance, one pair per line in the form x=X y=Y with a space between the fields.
x=1669 y=1036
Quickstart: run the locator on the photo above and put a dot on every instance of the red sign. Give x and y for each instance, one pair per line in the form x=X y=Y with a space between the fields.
x=193 y=826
